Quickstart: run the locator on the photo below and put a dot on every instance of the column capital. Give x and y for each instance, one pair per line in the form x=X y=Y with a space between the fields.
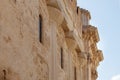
x=82 y=58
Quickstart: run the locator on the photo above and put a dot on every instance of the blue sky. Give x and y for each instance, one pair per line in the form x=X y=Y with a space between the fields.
x=106 y=17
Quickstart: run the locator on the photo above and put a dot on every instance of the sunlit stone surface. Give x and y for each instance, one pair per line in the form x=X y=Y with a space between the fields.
x=47 y=40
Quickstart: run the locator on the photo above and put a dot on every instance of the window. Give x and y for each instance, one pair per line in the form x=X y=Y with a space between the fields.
x=4 y=73
x=75 y=72
x=77 y=10
x=62 y=58
x=40 y=28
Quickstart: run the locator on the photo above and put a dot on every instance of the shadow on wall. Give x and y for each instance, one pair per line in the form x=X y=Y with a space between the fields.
x=8 y=74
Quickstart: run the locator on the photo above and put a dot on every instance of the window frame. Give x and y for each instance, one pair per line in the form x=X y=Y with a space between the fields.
x=40 y=28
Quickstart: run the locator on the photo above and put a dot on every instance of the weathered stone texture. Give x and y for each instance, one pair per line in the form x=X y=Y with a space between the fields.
x=47 y=40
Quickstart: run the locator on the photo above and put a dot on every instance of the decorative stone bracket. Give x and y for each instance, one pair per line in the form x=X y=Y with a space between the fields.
x=90 y=32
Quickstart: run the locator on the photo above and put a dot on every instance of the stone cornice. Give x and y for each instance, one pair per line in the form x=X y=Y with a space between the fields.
x=86 y=12
x=90 y=32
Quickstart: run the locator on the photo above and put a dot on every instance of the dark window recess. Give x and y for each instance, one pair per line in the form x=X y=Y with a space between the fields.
x=4 y=73
x=75 y=73
x=77 y=10
x=62 y=65
x=40 y=28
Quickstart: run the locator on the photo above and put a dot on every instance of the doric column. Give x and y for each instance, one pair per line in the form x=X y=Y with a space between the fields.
x=56 y=19
x=52 y=55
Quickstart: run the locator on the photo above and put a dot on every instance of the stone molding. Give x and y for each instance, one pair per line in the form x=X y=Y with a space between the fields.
x=90 y=32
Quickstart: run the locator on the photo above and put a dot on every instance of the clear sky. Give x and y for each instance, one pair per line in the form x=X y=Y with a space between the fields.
x=106 y=16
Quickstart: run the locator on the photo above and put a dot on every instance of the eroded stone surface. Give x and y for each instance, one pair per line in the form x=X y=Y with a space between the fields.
x=67 y=50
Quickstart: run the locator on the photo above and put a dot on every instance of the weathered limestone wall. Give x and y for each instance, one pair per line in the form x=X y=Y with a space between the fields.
x=47 y=40
x=22 y=56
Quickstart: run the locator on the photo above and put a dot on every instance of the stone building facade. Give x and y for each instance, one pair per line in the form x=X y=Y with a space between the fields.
x=47 y=40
